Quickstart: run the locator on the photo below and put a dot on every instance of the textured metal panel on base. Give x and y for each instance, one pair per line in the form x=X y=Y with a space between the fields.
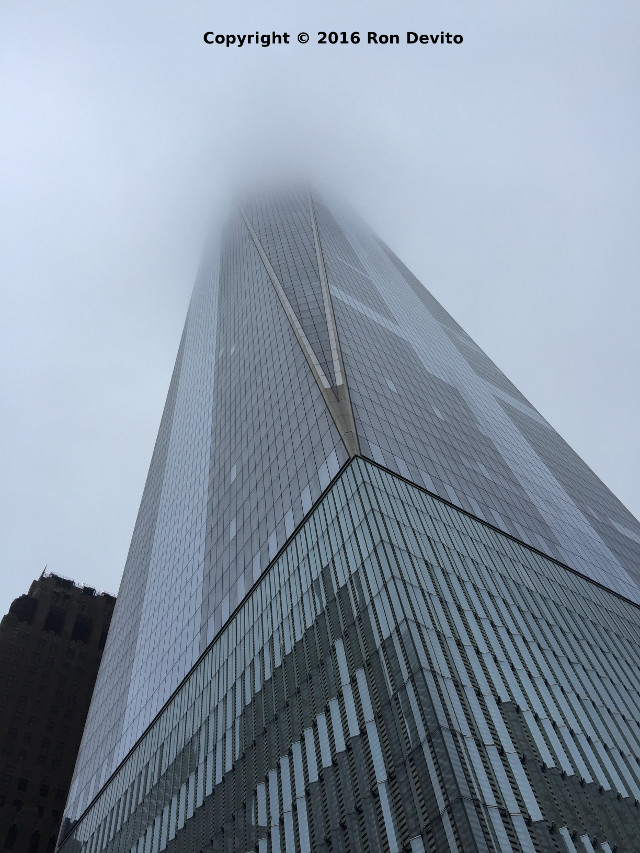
x=402 y=677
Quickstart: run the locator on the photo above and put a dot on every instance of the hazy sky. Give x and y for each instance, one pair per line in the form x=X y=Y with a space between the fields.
x=504 y=171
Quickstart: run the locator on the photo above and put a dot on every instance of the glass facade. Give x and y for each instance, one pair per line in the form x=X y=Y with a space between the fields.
x=403 y=677
x=272 y=679
x=430 y=405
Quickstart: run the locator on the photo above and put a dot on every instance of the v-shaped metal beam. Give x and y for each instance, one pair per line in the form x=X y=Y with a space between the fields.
x=338 y=401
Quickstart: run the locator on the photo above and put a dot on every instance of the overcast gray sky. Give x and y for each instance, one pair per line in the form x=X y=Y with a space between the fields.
x=504 y=171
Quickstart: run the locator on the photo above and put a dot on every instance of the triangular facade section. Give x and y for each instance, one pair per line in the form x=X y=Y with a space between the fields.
x=285 y=232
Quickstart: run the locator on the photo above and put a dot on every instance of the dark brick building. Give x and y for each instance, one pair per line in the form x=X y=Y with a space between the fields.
x=51 y=643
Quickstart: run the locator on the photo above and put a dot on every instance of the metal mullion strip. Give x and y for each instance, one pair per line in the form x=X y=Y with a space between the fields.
x=326 y=297
x=618 y=689
x=345 y=410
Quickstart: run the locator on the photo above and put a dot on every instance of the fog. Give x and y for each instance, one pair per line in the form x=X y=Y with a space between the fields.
x=503 y=171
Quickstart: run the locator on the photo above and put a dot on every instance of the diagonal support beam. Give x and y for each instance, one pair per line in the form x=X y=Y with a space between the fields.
x=314 y=364
x=338 y=403
x=326 y=297
x=347 y=424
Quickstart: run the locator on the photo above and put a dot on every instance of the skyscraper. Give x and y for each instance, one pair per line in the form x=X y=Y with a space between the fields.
x=51 y=643
x=372 y=600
